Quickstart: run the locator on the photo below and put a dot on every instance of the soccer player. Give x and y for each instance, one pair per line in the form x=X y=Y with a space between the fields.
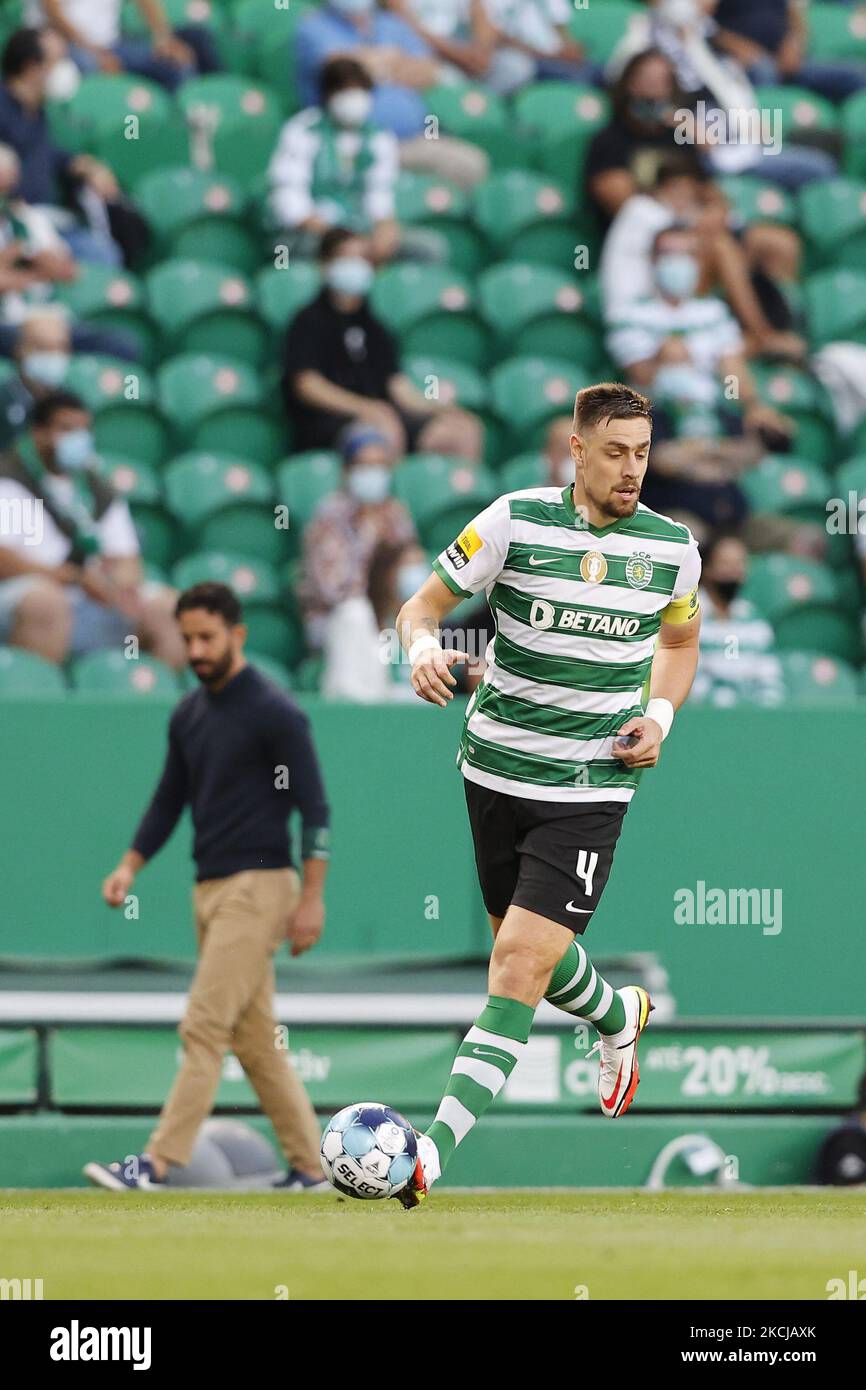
x=241 y=757
x=595 y=600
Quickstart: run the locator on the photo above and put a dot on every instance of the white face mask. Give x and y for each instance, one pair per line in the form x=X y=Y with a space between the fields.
x=352 y=107
x=63 y=80
x=369 y=482
x=350 y=275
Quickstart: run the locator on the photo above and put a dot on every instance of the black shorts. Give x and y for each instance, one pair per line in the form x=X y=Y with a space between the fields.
x=551 y=857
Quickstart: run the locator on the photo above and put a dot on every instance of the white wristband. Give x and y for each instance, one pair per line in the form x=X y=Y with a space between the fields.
x=662 y=711
x=421 y=644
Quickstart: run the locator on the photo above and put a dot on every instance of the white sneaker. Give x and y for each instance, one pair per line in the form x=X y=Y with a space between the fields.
x=618 y=1072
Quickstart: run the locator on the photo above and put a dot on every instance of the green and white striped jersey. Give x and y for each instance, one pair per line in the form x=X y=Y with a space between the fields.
x=578 y=609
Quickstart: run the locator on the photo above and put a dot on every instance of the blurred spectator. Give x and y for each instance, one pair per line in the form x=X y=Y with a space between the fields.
x=557 y=451
x=70 y=574
x=50 y=173
x=341 y=364
x=396 y=573
x=770 y=39
x=533 y=44
x=737 y=661
x=340 y=544
x=402 y=66
x=457 y=31
x=92 y=29
x=747 y=268
x=333 y=168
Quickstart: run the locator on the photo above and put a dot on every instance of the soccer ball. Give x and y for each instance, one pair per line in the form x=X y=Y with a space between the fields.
x=369 y=1150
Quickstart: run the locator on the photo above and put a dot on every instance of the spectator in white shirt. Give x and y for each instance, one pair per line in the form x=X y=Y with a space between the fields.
x=92 y=28
x=737 y=661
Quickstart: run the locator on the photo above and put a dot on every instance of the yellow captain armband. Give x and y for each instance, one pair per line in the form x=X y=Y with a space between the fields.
x=682 y=610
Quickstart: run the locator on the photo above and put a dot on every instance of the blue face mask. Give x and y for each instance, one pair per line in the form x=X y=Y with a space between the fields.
x=46 y=368
x=349 y=275
x=351 y=7
x=74 y=450
x=677 y=274
x=410 y=578
x=369 y=482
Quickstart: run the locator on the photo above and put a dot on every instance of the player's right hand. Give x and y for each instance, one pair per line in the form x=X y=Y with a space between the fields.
x=431 y=674
x=117 y=885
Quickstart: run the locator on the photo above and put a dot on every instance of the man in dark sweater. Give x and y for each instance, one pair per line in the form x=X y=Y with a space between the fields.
x=240 y=755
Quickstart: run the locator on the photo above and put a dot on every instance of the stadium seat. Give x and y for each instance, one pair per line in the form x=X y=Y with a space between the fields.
x=215 y=403
x=801 y=600
x=24 y=675
x=805 y=117
x=442 y=494
x=200 y=215
x=854 y=135
x=431 y=309
x=543 y=309
x=140 y=485
x=225 y=503
x=167 y=144
x=281 y=293
x=527 y=470
x=758 y=200
x=837 y=32
x=832 y=216
x=302 y=482
x=812 y=676
x=262 y=43
x=454 y=383
x=235 y=119
x=111 y=673
x=784 y=485
x=474 y=113
x=203 y=307
x=127 y=420
x=105 y=295
x=529 y=391
x=836 y=306
x=804 y=399
x=273 y=626
x=437 y=205
x=109 y=102
x=530 y=213
x=557 y=120
x=599 y=27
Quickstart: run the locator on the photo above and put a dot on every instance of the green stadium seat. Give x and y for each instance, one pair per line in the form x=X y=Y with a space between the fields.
x=758 y=200
x=422 y=200
x=527 y=470
x=836 y=306
x=800 y=598
x=442 y=494
x=529 y=391
x=431 y=309
x=854 y=135
x=238 y=119
x=127 y=419
x=105 y=295
x=812 y=677
x=200 y=215
x=804 y=399
x=216 y=403
x=24 y=675
x=108 y=103
x=303 y=481
x=851 y=477
x=168 y=144
x=203 y=307
x=455 y=383
x=225 y=503
x=530 y=214
x=599 y=27
x=542 y=308
x=281 y=294
x=140 y=485
x=787 y=486
x=833 y=221
x=274 y=630
x=262 y=39
x=111 y=673
x=837 y=31
x=473 y=113
x=557 y=120
x=805 y=116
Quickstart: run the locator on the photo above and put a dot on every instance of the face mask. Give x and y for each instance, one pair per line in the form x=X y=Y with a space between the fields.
x=349 y=275
x=677 y=275
x=63 y=80
x=351 y=7
x=727 y=589
x=410 y=578
x=351 y=108
x=679 y=12
x=74 y=450
x=680 y=381
x=369 y=482
x=649 y=111
x=48 y=368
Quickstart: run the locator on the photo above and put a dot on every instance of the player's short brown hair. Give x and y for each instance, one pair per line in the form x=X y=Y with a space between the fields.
x=609 y=400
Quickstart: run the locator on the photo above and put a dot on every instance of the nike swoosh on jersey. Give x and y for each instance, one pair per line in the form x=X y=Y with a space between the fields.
x=570 y=908
x=552 y=561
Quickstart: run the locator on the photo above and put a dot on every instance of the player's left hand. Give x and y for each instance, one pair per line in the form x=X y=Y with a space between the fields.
x=645 y=752
x=306 y=926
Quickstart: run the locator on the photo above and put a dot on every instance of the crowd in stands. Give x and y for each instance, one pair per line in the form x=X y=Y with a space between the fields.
x=357 y=261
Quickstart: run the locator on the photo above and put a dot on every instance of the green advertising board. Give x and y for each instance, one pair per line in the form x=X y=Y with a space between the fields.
x=681 y=1070
x=19 y=1063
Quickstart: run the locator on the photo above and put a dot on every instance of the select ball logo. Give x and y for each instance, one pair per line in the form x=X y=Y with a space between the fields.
x=369 y=1151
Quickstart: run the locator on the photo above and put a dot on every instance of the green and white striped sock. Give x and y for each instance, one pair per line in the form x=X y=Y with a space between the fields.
x=577 y=988
x=486 y=1058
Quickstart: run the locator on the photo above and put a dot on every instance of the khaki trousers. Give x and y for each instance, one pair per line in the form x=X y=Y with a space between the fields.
x=240 y=921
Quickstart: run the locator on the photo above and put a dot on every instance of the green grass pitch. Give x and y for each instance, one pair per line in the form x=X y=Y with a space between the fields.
x=506 y=1245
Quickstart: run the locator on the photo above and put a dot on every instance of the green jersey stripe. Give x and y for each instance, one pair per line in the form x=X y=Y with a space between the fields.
x=447 y=580
x=551 y=719
x=568 y=670
x=531 y=768
x=586 y=618
x=523 y=559
x=642 y=526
